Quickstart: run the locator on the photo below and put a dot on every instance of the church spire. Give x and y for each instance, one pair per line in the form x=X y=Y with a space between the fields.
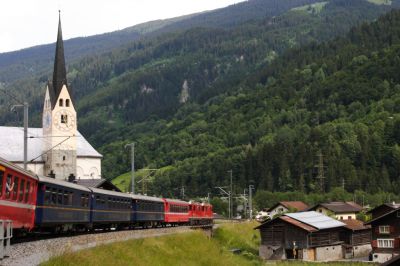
x=59 y=74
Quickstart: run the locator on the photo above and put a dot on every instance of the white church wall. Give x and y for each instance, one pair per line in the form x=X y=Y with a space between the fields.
x=36 y=168
x=88 y=168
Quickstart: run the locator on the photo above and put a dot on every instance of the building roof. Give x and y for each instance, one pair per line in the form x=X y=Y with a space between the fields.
x=355 y=225
x=298 y=205
x=298 y=224
x=315 y=219
x=63 y=183
x=310 y=221
x=12 y=145
x=98 y=183
x=340 y=207
x=392 y=262
x=392 y=205
x=384 y=215
x=59 y=72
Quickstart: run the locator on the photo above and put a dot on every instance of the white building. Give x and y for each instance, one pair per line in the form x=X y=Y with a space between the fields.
x=58 y=148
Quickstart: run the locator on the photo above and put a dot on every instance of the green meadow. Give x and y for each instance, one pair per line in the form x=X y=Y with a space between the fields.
x=193 y=248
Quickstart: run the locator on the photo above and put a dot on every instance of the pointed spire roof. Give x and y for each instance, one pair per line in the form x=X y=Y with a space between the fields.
x=60 y=73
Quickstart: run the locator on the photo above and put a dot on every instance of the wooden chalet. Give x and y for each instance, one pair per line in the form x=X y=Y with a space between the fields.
x=385 y=236
x=356 y=238
x=286 y=206
x=341 y=210
x=308 y=236
x=383 y=209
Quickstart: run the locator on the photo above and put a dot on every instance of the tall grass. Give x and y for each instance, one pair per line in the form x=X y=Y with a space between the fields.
x=187 y=249
x=184 y=249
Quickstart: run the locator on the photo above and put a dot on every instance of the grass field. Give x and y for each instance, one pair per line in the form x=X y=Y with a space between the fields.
x=192 y=248
x=314 y=8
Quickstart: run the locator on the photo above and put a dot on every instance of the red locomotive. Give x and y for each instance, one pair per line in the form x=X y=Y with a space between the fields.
x=18 y=190
x=200 y=213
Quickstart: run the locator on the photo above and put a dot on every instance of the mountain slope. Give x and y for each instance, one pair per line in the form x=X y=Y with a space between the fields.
x=337 y=100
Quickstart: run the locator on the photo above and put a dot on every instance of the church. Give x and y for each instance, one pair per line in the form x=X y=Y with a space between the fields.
x=57 y=149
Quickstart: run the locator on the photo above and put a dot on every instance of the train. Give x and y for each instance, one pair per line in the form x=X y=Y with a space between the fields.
x=37 y=204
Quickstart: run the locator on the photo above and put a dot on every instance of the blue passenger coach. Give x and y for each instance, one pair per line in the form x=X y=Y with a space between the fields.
x=110 y=207
x=62 y=205
x=147 y=211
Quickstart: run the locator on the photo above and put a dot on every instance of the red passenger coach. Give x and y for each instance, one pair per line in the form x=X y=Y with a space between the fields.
x=176 y=211
x=17 y=195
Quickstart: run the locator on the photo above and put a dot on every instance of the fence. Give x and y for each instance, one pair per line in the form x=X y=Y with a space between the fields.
x=5 y=237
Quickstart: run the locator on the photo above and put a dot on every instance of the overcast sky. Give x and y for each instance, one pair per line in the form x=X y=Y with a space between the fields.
x=25 y=23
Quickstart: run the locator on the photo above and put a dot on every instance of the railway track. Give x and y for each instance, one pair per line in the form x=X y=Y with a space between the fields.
x=34 y=250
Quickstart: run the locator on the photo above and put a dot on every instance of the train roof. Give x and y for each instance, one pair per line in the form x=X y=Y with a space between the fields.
x=176 y=201
x=144 y=197
x=63 y=183
x=109 y=192
x=17 y=168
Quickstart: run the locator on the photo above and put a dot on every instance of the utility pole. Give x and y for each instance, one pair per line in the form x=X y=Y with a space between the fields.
x=251 y=187
x=230 y=195
x=321 y=175
x=183 y=192
x=229 y=198
x=132 y=145
x=26 y=108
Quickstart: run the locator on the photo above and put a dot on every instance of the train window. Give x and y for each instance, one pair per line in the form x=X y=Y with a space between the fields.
x=21 y=190
x=60 y=197
x=15 y=188
x=1 y=182
x=54 y=196
x=65 y=201
x=70 y=196
x=28 y=187
x=9 y=186
x=47 y=196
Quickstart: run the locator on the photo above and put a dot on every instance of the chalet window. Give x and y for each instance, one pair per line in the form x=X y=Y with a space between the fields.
x=67 y=102
x=384 y=229
x=61 y=103
x=385 y=243
x=64 y=119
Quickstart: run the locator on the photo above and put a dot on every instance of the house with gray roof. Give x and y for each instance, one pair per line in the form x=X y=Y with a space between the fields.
x=308 y=236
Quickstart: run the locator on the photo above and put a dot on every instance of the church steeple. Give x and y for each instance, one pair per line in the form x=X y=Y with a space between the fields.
x=60 y=73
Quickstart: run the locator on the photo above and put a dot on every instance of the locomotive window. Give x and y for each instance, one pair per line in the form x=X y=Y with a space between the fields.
x=15 y=188
x=1 y=182
x=28 y=187
x=21 y=190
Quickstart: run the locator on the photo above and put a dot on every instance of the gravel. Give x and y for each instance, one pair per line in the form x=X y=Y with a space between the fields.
x=36 y=252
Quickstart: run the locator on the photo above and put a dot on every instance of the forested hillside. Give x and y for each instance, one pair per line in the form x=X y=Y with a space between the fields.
x=338 y=99
x=266 y=97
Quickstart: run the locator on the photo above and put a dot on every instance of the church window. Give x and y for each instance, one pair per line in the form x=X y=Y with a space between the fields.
x=67 y=102
x=61 y=102
x=63 y=158
x=64 y=119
